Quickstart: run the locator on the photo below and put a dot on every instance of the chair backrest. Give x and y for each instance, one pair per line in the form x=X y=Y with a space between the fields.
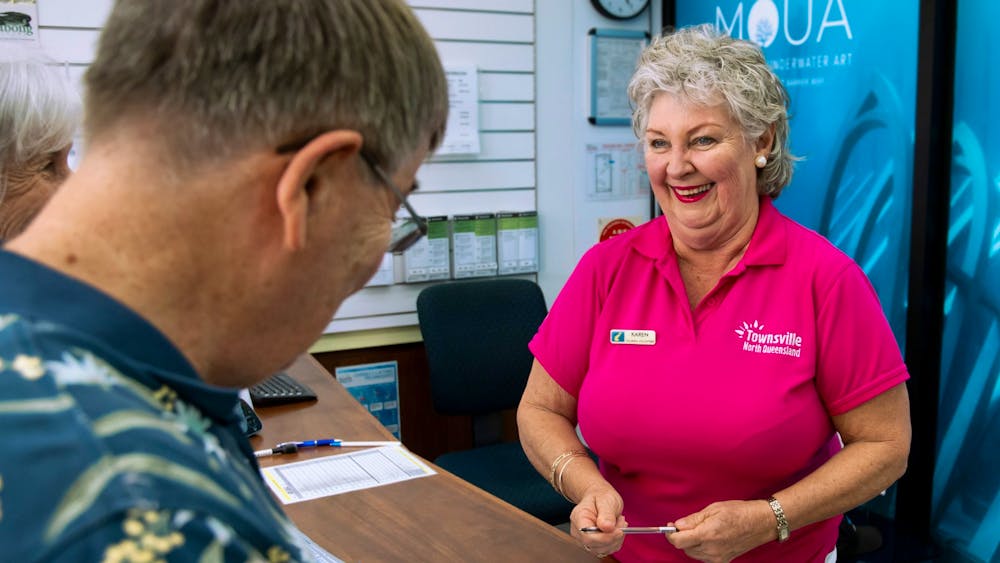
x=476 y=335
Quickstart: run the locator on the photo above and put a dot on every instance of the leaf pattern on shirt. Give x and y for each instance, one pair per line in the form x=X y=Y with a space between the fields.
x=83 y=369
x=30 y=367
x=165 y=397
x=192 y=421
x=78 y=366
x=88 y=487
x=34 y=407
x=148 y=536
x=123 y=421
x=152 y=535
x=277 y=555
x=62 y=373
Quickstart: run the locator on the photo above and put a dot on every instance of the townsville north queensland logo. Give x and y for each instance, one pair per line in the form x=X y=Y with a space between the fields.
x=758 y=341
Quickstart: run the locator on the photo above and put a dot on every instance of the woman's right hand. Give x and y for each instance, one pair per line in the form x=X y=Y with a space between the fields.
x=600 y=506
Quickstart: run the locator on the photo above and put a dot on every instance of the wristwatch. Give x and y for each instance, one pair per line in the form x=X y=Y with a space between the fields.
x=779 y=515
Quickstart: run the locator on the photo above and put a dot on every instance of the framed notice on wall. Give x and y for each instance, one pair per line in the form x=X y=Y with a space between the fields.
x=613 y=54
x=376 y=387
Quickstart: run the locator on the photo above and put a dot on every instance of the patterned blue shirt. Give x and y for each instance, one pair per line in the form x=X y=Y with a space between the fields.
x=113 y=448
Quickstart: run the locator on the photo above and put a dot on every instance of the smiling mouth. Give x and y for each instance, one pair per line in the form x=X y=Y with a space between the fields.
x=692 y=194
x=692 y=191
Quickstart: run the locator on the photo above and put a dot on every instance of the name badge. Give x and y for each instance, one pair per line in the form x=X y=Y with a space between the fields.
x=640 y=337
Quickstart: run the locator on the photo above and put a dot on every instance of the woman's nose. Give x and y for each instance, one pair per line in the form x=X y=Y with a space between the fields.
x=678 y=164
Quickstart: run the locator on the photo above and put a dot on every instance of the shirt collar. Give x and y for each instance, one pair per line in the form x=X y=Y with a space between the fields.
x=768 y=245
x=35 y=291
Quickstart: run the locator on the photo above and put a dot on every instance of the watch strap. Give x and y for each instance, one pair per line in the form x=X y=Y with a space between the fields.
x=779 y=515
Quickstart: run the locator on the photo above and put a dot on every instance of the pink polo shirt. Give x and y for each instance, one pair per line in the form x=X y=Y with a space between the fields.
x=733 y=400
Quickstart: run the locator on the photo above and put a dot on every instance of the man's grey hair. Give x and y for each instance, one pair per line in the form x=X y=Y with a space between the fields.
x=39 y=109
x=705 y=67
x=218 y=78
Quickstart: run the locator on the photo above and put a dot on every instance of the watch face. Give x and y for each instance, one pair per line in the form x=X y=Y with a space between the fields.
x=620 y=9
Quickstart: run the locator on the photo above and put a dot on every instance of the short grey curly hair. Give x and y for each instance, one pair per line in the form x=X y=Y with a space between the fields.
x=706 y=67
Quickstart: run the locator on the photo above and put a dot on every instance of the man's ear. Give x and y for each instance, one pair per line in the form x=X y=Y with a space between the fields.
x=296 y=182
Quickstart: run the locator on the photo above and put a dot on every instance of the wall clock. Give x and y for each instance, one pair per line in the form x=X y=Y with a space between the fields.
x=620 y=9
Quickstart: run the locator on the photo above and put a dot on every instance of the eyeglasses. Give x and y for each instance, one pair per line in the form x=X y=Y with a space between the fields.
x=405 y=234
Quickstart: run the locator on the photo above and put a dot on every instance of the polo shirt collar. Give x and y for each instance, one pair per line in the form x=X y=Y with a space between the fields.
x=768 y=244
x=35 y=291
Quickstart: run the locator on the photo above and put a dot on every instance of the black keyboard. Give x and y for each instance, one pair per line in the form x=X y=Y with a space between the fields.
x=279 y=389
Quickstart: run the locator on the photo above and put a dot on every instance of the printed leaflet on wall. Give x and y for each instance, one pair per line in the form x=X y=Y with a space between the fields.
x=474 y=244
x=428 y=260
x=517 y=242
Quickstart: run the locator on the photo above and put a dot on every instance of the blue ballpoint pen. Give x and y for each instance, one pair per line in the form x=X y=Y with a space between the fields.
x=335 y=443
x=293 y=447
x=316 y=443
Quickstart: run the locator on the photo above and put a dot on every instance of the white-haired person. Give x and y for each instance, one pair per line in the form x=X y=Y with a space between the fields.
x=39 y=114
x=245 y=162
x=712 y=356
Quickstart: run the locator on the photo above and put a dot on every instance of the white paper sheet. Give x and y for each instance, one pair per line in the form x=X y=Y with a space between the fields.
x=343 y=473
x=462 y=133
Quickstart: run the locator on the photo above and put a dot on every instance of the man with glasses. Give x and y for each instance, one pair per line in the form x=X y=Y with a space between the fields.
x=413 y=229
x=404 y=235
x=198 y=249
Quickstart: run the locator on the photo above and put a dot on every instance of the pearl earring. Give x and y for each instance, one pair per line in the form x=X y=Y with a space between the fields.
x=760 y=161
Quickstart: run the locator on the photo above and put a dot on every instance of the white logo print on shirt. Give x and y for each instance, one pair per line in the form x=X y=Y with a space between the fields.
x=759 y=342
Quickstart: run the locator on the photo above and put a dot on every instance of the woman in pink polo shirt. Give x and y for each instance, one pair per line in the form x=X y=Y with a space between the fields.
x=712 y=356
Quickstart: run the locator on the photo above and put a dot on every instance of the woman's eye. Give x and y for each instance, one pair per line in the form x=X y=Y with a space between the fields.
x=703 y=142
x=658 y=144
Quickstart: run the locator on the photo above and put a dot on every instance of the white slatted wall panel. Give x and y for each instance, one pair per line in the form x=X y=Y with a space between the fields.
x=498 y=37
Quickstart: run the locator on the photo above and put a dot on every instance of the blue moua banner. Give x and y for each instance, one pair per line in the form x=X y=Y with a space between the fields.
x=966 y=494
x=850 y=67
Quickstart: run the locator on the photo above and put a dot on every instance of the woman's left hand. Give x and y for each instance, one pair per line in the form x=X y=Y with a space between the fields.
x=722 y=531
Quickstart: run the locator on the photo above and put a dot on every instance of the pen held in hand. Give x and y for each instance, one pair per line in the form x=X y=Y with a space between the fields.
x=634 y=530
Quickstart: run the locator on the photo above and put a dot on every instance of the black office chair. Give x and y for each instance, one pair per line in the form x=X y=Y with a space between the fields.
x=476 y=334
